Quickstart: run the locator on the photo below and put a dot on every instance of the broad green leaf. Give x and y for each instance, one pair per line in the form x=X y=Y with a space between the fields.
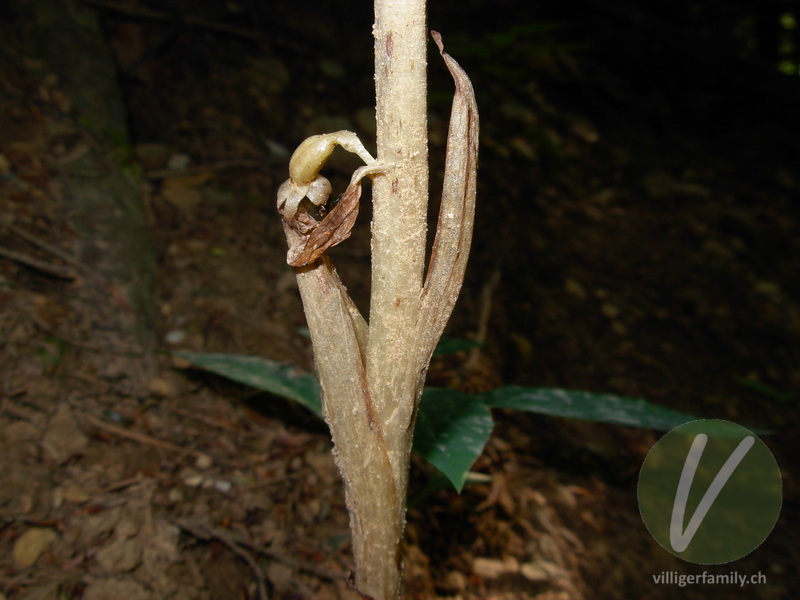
x=452 y=429
x=589 y=406
x=263 y=374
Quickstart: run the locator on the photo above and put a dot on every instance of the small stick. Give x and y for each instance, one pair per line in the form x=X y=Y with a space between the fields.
x=51 y=248
x=210 y=421
x=39 y=265
x=483 y=319
x=205 y=533
x=321 y=572
x=133 y=435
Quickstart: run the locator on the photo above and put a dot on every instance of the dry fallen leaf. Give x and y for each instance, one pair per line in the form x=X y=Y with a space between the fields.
x=120 y=555
x=64 y=439
x=31 y=545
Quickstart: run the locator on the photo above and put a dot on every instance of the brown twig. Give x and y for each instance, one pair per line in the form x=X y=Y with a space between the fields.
x=210 y=421
x=133 y=435
x=308 y=567
x=206 y=533
x=51 y=248
x=39 y=265
x=487 y=294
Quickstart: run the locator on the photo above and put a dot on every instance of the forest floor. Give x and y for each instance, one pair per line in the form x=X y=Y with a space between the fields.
x=608 y=256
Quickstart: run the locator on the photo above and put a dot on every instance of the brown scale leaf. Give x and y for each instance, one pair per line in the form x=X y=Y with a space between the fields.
x=332 y=230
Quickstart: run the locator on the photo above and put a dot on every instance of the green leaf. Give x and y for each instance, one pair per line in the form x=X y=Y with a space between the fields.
x=452 y=429
x=263 y=374
x=604 y=408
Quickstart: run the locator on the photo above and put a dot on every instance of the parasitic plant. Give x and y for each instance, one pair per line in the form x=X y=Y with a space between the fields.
x=372 y=373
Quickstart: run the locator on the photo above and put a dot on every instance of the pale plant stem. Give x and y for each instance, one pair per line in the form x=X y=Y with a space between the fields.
x=400 y=200
x=372 y=374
